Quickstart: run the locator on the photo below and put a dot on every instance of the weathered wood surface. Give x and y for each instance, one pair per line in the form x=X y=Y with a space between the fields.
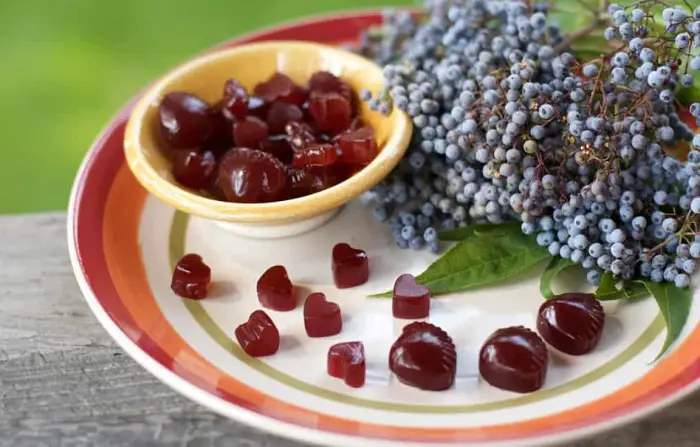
x=64 y=383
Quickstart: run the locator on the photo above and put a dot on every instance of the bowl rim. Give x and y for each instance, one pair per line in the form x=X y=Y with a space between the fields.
x=270 y=212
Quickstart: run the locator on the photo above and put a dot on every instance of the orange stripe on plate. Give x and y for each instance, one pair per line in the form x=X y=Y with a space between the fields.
x=122 y=252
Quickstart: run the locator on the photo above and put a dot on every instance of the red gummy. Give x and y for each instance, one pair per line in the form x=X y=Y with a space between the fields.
x=259 y=337
x=191 y=277
x=275 y=290
x=424 y=357
x=278 y=146
x=331 y=112
x=251 y=176
x=411 y=300
x=235 y=99
x=573 y=322
x=326 y=82
x=347 y=361
x=257 y=107
x=321 y=317
x=356 y=124
x=514 y=359
x=193 y=169
x=350 y=266
x=250 y=132
x=302 y=182
x=186 y=120
x=220 y=142
x=315 y=155
x=357 y=146
x=280 y=114
x=280 y=88
x=300 y=135
x=214 y=189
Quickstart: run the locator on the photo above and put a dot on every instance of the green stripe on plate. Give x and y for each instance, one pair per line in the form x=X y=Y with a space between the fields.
x=178 y=231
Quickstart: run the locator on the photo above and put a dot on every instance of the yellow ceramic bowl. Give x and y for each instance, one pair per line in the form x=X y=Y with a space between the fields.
x=251 y=64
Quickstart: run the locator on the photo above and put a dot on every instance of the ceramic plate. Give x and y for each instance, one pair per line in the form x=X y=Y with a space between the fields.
x=123 y=247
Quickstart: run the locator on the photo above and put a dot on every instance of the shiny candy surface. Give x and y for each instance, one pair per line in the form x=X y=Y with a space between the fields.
x=186 y=120
x=573 y=322
x=322 y=318
x=251 y=176
x=424 y=357
x=259 y=337
x=350 y=266
x=514 y=359
x=194 y=169
x=191 y=277
x=410 y=300
x=347 y=361
x=275 y=290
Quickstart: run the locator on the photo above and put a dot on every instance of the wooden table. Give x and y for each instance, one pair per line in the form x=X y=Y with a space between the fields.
x=64 y=382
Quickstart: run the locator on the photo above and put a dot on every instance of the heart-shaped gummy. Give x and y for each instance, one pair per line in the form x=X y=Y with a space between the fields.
x=572 y=322
x=514 y=359
x=275 y=290
x=258 y=336
x=347 y=361
x=191 y=277
x=410 y=300
x=322 y=318
x=424 y=357
x=350 y=266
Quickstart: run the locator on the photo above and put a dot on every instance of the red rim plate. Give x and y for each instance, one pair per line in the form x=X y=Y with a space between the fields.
x=86 y=219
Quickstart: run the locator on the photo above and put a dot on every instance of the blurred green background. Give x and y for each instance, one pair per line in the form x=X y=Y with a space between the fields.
x=69 y=65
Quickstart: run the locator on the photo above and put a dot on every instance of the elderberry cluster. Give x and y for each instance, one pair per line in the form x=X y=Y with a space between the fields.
x=509 y=125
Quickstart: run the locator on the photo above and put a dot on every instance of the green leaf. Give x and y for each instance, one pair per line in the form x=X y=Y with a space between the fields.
x=690 y=94
x=490 y=258
x=555 y=266
x=462 y=233
x=606 y=286
x=607 y=290
x=674 y=304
